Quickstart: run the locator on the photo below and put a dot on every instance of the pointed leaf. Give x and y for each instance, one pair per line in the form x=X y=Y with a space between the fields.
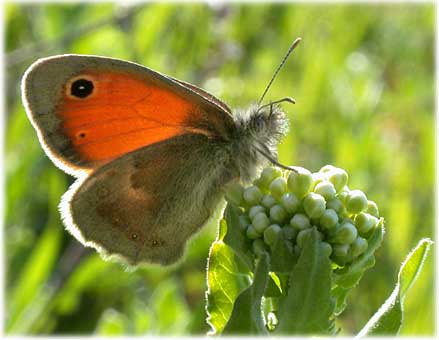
x=388 y=319
x=308 y=307
x=340 y=294
x=246 y=317
x=282 y=258
x=227 y=276
x=235 y=237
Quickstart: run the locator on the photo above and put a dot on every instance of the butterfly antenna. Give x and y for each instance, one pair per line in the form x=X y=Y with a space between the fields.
x=292 y=47
x=273 y=160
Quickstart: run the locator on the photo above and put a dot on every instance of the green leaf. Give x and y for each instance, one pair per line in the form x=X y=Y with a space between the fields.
x=282 y=258
x=308 y=307
x=277 y=284
x=234 y=236
x=340 y=294
x=388 y=319
x=246 y=316
x=227 y=276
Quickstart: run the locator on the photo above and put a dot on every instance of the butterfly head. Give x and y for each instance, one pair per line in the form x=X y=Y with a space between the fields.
x=259 y=130
x=267 y=124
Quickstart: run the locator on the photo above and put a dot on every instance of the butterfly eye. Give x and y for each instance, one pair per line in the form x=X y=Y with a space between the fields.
x=80 y=87
x=259 y=123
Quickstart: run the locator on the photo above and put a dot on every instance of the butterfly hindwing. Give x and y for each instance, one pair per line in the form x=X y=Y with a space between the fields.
x=145 y=205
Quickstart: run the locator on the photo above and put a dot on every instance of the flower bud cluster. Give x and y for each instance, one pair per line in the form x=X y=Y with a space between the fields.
x=290 y=203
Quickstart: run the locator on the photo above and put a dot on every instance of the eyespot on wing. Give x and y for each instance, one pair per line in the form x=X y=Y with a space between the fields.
x=89 y=110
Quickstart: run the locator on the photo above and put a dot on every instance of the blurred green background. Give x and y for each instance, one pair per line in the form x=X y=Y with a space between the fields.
x=363 y=78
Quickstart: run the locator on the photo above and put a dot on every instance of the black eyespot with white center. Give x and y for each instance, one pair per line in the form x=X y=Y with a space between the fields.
x=81 y=88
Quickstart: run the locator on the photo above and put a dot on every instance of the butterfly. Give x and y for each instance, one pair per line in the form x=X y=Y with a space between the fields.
x=151 y=154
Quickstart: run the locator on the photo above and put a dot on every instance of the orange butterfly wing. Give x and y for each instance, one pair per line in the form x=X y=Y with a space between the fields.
x=124 y=114
x=129 y=107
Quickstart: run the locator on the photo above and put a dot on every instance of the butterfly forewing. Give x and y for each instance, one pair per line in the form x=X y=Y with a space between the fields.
x=91 y=110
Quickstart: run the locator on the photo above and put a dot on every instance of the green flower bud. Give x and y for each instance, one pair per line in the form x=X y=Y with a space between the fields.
x=258 y=246
x=329 y=219
x=347 y=220
x=328 y=168
x=300 y=182
x=326 y=189
x=365 y=222
x=234 y=193
x=339 y=178
x=252 y=195
x=278 y=213
x=318 y=178
x=290 y=202
x=356 y=202
x=315 y=221
x=254 y=210
x=335 y=204
x=244 y=221
x=359 y=246
x=327 y=249
x=278 y=187
x=314 y=205
x=300 y=238
x=268 y=201
x=268 y=175
x=258 y=183
x=252 y=233
x=372 y=208
x=289 y=233
x=260 y=222
x=345 y=233
x=271 y=233
x=340 y=250
x=300 y=221
x=342 y=196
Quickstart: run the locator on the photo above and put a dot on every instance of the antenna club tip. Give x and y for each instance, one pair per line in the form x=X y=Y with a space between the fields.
x=290 y=100
x=297 y=41
x=292 y=47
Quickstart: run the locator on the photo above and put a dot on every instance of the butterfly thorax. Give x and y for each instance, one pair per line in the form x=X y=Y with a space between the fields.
x=258 y=131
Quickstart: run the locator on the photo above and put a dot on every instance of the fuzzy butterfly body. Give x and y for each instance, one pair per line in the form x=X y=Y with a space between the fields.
x=152 y=154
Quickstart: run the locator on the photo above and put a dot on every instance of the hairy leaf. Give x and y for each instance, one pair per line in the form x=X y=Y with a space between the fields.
x=388 y=319
x=227 y=276
x=246 y=317
x=308 y=307
x=235 y=237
